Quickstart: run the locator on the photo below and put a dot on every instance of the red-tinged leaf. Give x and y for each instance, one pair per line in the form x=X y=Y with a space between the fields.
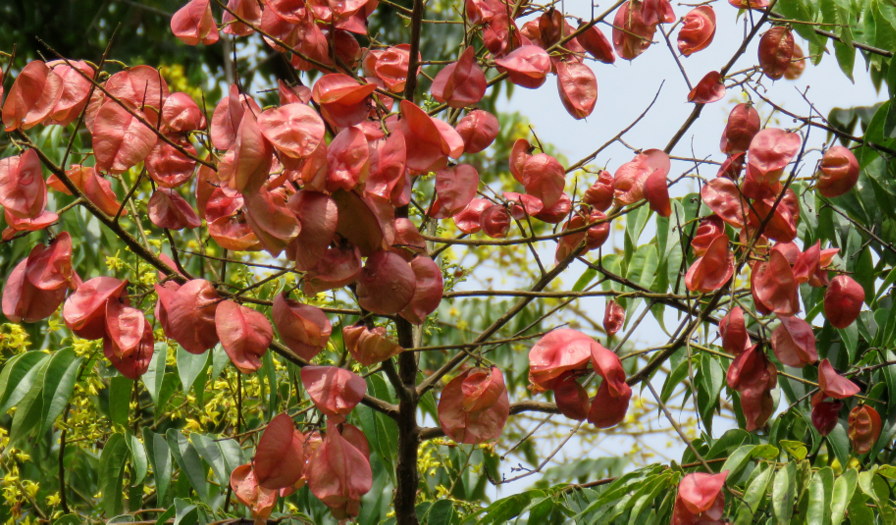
x=774 y=288
x=609 y=408
x=365 y=221
x=140 y=87
x=22 y=301
x=474 y=406
x=776 y=48
x=710 y=227
x=783 y=223
x=18 y=224
x=772 y=149
x=168 y=210
x=32 y=97
x=50 y=267
x=749 y=4
x=420 y=130
x=389 y=65
x=657 y=11
x=743 y=124
x=369 y=346
x=656 y=191
x=23 y=190
x=797 y=63
x=469 y=220
x=600 y=194
x=340 y=265
x=280 y=456
x=711 y=88
x=462 y=83
x=339 y=474
x=700 y=499
x=723 y=197
x=794 y=342
x=125 y=327
x=335 y=391
x=386 y=284
x=317 y=214
x=544 y=178
x=134 y=363
x=248 y=163
x=303 y=328
x=864 y=427
x=245 y=334
x=596 y=44
x=168 y=166
x=577 y=86
x=295 y=130
x=388 y=170
x=348 y=160
x=833 y=384
x=495 y=221
x=572 y=400
x=246 y=489
x=427 y=291
x=120 y=140
x=838 y=172
x=408 y=241
x=754 y=376
x=825 y=413
x=273 y=222
x=632 y=34
x=289 y=94
x=843 y=301
x=733 y=330
x=713 y=269
x=614 y=317
x=343 y=101
x=558 y=351
x=181 y=114
x=84 y=311
x=697 y=31
x=187 y=314
x=248 y=10
x=75 y=89
x=227 y=117
x=96 y=189
x=523 y=205
x=193 y=23
x=526 y=66
x=455 y=188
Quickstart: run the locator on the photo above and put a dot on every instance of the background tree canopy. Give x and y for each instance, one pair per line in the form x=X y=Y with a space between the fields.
x=284 y=276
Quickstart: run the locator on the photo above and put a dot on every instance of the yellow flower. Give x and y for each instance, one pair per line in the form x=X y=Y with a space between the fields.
x=54 y=499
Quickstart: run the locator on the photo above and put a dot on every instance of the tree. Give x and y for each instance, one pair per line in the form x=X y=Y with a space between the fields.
x=314 y=225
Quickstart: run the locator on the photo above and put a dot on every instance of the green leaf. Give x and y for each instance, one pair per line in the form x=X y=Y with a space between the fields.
x=844 y=487
x=796 y=449
x=782 y=493
x=211 y=452
x=189 y=366
x=139 y=461
x=505 y=508
x=755 y=493
x=18 y=377
x=185 y=513
x=58 y=385
x=112 y=460
x=585 y=279
x=674 y=380
x=738 y=460
x=820 y=488
x=189 y=462
x=710 y=379
x=154 y=376
x=160 y=457
x=120 y=389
